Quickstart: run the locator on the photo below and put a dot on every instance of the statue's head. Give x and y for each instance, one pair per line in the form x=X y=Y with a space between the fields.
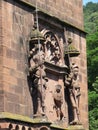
x=74 y=69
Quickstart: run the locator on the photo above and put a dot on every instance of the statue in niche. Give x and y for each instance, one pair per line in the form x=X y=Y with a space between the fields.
x=58 y=101
x=74 y=90
x=38 y=76
x=53 y=54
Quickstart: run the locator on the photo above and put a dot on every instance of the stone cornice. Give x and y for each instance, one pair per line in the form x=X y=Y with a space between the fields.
x=52 y=17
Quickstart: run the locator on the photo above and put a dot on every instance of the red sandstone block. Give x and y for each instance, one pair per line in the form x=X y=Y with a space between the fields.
x=12 y=97
x=19 y=90
x=10 y=63
x=9 y=79
x=1 y=102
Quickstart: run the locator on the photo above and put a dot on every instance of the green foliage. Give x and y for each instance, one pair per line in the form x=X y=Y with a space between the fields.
x=91 y=26
x=93 y=106
x=95 y=86
x=92 y=55
x=93 y=124
x=93 y=103
x=91 y=17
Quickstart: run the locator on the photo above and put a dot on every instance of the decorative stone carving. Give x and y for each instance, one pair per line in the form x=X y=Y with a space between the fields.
x=70 y=49
x=74 y=90
x=45 y=56
x=37 y=72
x=58 y=101
x=52 y=49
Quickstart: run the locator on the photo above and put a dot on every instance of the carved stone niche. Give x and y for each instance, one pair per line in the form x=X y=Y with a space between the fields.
x=47 y=71
x=55 y=69
x=53 y=50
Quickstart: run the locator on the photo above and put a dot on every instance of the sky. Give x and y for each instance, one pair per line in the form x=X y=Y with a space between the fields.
x=86 y=1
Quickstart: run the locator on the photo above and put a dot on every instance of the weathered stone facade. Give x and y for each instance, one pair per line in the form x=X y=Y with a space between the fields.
x=65 y=20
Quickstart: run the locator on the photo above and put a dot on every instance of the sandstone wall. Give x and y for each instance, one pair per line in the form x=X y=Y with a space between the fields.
x=70 y=11
x=16 y=21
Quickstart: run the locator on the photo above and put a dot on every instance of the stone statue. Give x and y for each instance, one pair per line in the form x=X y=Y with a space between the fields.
x=38 y=74
x=56 y=56
x=74 y=90
x=58 y=101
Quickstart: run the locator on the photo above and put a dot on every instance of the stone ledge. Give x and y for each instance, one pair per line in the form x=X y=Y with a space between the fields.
x=20 y=118
x=76 y=127
x=54 y=127
x=9 y=117
x=55 y=68
x=49 y=15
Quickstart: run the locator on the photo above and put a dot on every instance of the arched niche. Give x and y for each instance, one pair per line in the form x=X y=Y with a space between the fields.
x=52 y=48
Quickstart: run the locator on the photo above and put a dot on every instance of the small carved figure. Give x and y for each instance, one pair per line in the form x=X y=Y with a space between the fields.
x=38 y=74
x=49 y=54
x=58 y=100
x=56 y=56
x=74 y=90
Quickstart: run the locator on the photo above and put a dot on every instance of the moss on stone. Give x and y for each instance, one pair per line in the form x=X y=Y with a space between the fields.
x=7 y=115
x=11 y=116
x=76 y=127
x=57 y=127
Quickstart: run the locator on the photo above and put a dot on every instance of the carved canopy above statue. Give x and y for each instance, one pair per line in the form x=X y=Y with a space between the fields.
x=52 y=48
